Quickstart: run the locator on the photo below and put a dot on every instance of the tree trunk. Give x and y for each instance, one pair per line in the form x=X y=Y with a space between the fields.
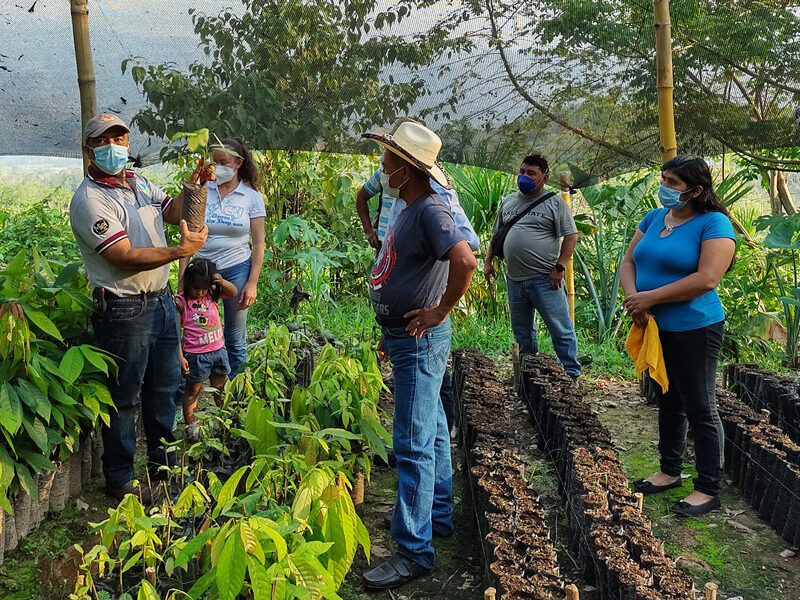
x=774 y=198
x=784 y=193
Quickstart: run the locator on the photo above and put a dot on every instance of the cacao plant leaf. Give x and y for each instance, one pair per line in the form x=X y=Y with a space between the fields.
x=194 y=546
x=42 y=322
x=72 y=364
x=231 y=568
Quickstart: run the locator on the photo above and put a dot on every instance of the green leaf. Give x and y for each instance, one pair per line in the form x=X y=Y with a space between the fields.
x=202 y=584
x=10 y=414
x=228 y=491
x=42 y=322
x=98 y=361
x=7 y=469
x=37 y=432
x=33 y=397
x=72 y=364
x=231 y=568
x=147 y=592
x=194 y=546
x=262 y=589
x=26 y=480
x=268 y=527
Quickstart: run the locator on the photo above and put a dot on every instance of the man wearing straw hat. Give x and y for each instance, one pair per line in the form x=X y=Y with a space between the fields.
x=424 y=266
x=390 y=205
x=117 y=217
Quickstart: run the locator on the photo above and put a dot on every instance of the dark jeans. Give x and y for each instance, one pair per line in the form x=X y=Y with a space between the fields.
x=421 y=440
x=691 y=360
x=143 y=335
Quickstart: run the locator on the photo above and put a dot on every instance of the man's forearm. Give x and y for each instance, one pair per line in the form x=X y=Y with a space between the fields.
x=362 y=208
x=567 y=248
x=173 y=213
x=457 y=284
x=145 y=259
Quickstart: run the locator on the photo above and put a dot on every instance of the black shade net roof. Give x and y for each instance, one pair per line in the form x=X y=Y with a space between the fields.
x=497 y=79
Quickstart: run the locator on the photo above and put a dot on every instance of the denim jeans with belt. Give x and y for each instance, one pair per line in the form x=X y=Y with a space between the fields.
x=691 y=360
x=143 y=336
x=235 y=319
x=527 y=297
x=421 y=440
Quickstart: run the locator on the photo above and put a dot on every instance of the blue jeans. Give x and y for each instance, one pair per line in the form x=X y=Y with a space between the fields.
x=421 y=440
x=143 y=335
x=535 y=294
x=235 y=320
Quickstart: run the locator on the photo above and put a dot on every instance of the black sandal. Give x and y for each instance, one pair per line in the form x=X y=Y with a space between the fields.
x=648 y=487
x=684 y=509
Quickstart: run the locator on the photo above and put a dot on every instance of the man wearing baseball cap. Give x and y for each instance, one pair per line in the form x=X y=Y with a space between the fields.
x=424 y=266
x=117 y=217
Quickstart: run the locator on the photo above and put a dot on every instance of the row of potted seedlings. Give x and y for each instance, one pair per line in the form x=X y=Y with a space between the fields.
x=611 y=537
x=760 y=458
x=53 y=490
x=520 y=558
x=764 y=390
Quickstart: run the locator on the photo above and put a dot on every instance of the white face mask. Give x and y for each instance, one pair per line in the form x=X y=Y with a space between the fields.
x=224 y=174
x=394 y=192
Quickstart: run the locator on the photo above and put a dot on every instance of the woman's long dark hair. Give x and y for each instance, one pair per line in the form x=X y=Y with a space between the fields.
x=694 y=172
x=198 y=274
x=248 y=171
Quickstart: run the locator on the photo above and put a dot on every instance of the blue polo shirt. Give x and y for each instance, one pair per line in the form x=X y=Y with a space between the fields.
x=663 y=260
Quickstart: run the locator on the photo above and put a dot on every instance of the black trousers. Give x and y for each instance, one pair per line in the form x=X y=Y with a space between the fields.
x=691 y=359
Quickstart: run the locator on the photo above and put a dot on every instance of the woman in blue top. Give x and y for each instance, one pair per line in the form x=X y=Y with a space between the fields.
x=675 y=260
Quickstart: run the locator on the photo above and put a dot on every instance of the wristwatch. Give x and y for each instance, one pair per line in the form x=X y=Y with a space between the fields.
x=559 y=267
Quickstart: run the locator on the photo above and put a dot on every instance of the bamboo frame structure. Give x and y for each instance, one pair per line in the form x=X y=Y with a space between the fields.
x=666 y=112
x=83 y=60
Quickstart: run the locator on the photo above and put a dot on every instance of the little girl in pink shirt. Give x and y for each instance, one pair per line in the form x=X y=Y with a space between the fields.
x=203 y=354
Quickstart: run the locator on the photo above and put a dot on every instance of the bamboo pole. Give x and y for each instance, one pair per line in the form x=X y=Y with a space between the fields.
x=639 y=501
x=489 y=594
x=569 y=270
x=711 y=591
x=83 y=60
x=572 y=592
x=666 y=114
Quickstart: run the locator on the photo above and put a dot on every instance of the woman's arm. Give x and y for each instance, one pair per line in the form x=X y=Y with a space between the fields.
x=627 y=278
x=250 y=289
x=715 y=258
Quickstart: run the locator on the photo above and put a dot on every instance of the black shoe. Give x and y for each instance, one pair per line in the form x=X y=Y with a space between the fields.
x=437 y=531
x=684 y=509
x=396 y=571
x=647 y=487
x=142 y=492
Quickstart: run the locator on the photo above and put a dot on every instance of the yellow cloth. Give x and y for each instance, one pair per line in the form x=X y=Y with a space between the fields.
x=644 y=346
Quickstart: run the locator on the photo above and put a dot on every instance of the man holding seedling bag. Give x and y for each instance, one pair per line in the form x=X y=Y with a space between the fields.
x=117 y=217
x=424 y=266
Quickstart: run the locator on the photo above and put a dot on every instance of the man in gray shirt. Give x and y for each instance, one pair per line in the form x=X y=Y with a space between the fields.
x=536 y=259
x=117 y=217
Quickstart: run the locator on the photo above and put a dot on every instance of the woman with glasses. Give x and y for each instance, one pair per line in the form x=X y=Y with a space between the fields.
x=674 y=263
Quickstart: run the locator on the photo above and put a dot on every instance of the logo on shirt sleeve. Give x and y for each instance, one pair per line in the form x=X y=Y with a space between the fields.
x=100 y=227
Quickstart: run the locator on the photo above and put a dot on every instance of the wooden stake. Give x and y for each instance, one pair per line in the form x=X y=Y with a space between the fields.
x=572 y=592
x=711 y=591
x=489 y=594
x=639 y=501
x=150 y=573
x=666 y=111
x=83 y=59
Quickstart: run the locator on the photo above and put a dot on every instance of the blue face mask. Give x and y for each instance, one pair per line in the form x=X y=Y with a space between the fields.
x=111 y=158
x=525 y=184
x=670 y=198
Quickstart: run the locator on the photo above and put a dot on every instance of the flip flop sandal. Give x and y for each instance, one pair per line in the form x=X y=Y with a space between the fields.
x=193 y=432
x=647 y=487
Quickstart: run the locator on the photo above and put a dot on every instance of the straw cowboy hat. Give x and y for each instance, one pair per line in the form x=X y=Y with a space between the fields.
x=415 y=143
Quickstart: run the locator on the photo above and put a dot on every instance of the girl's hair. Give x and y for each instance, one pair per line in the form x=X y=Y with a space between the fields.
x=198 y=274
x=694 y=172
x=248 y=171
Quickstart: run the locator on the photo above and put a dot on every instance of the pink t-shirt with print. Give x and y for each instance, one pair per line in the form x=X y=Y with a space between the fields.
x=202 y=327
